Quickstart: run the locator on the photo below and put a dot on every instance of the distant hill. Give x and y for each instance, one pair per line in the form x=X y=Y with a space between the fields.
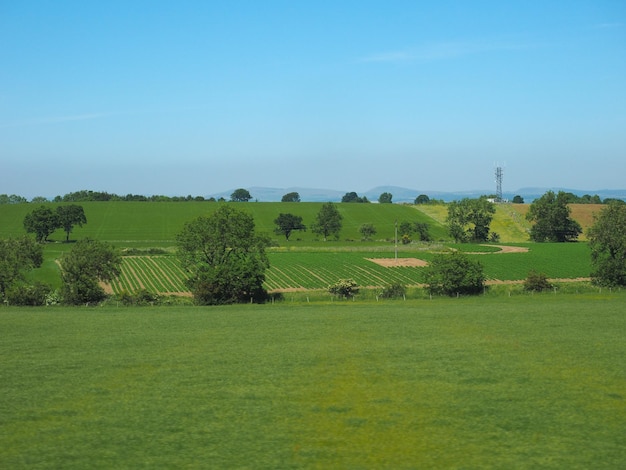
x=401 y=194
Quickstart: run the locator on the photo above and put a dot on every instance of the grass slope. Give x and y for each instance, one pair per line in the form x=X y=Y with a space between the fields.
x=157 y=223
x=525 y=382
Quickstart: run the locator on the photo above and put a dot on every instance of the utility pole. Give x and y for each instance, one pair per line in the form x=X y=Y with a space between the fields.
x=396 y=243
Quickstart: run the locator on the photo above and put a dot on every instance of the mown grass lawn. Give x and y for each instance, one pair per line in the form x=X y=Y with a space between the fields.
x=520 y=382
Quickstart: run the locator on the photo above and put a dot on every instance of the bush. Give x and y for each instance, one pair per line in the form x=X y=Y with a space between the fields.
x=455 y=274
x=28 y=294
x=393 y=291
x=536 y=282
x=345 y=288
x=141 y=297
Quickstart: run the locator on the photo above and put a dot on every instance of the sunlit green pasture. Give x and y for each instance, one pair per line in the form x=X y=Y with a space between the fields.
x=317 y=269
x=304 y=261
x=156 y=224
x=520 y=382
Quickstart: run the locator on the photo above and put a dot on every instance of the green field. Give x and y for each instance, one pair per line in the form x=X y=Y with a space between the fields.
x=304 y=262
x=317 y=269
x=141 y=224
x=519 y=382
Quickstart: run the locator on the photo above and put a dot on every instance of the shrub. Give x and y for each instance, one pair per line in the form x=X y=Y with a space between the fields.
x=536 y=282
x=28 y=294
x=393 y=291
x=455 y=274
x=345 y=288
x=141 y=297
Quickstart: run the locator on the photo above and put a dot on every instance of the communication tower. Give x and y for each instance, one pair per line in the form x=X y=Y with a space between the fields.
x=499 y=173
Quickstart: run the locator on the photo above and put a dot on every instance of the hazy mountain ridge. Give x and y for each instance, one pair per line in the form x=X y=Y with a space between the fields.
x=401 y=194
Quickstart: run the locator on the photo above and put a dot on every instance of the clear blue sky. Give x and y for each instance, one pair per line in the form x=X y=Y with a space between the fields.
x=198 y=97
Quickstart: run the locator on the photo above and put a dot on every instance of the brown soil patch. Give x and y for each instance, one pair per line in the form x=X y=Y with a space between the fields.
x=503 y=249
x=400 y=262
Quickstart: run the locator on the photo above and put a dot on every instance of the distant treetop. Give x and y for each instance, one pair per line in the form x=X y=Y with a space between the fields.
x=240 y=195
x=353 y=197
x=291 y=197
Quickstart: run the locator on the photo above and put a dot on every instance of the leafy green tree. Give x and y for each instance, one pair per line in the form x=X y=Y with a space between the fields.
x=422 y=229
x=42 y=221
x=469 y=219
x=394 y=291
x=353 y=197
x=328 y=221
x=367 y=231
x=17 y=257
x=385 y=198
x=84 y=267
x=346 y=288
x=287 y=223
x=610 y=200
x=518 y=199
x=225 y=257
x=240 y=195
x=28 y=294
x=455 y=274
x=12 y=199
x=291 y=197
x=409 y=228
x=405 y=228
x=422 y=199
x=69 y=216
x=607 y=241
x=551 y=221
x=536 y=282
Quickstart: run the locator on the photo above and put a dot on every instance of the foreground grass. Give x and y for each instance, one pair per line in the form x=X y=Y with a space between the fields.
x=521 y=382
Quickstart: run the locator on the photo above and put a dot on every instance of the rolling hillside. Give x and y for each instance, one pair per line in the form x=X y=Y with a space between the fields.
x=157 y=223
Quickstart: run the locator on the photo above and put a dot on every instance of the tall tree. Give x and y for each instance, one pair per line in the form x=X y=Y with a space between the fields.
x=385 y=198
x=469 y=219
x=69 y=216
x=367 y=230
x=287 y=223
x=240 y=195
x=551 y=220
x=17 y=256
x=42 y=221
x=225 y=257
x=291 y=197
x=353 y=197
x=328 y=221
x=88 y=263
x=607 y=240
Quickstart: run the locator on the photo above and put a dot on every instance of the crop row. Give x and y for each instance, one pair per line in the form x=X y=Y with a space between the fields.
x=161 y=274
x=318 y=269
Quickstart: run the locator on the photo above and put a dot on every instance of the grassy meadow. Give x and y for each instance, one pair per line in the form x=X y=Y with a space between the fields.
x=141 y=224
x=507 y=382
x=305 y=261
x=502 y=381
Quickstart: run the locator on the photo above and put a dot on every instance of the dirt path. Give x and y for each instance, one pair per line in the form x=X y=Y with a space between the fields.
x=503 y=249
x=400 y=262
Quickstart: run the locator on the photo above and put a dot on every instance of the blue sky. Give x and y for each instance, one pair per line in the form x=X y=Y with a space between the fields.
x=199 y=97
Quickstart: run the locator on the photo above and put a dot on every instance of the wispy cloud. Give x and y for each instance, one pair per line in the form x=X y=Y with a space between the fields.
x=441 y=51
x=54 y=120
x=608 y=25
